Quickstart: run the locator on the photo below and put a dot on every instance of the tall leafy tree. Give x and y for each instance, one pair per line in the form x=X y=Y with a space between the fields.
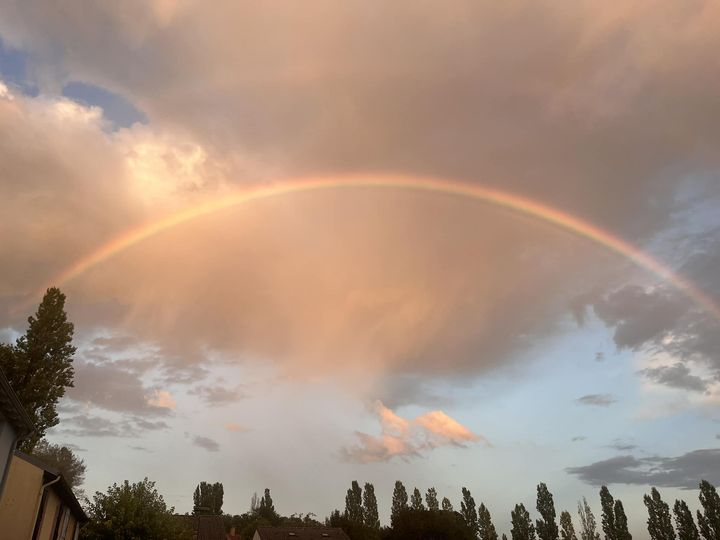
x=504 y=536
x=659 y=522
x=353 y=503
x=370 y=507
x=621 y=524
x=588 y=525
x=423 y=525
x=486 y=529
x=546 y=527
x=522 y=526
x=208 y=498
x=266 y=509
x=608 y=514
x=709 y=518
x=447 y=505
x=61 y=458
x=686 y=529
x=567 y=531
x=431 y=499
x=399 y=501
x=467 y=509
x=416 y=502
x=39 y=364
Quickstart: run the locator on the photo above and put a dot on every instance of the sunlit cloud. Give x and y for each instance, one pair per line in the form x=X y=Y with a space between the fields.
x=162 y=399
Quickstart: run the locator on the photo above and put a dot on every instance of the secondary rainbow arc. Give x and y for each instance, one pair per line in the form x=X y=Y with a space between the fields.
x=476 y=192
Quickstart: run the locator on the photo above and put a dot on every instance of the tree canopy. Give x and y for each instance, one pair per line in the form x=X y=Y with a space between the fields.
x=61 y=458
x=208 y=498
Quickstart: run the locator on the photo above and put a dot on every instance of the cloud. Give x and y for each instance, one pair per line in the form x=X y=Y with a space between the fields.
x=87 y=425
x=408 y=438
x=600 y=356
x=677 y=375
x=683 y=471
x=206 y=443
x=622 y=446
x=578 y=438
x=162 y=399
x=217 y=396
x=235 y=428
x=597 y=400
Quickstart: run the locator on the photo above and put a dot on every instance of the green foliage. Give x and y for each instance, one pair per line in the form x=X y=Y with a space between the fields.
x=546 y=527
x=621 y=525
x=354 y=529
x=61 y=458
x=447 y=505
x=522 y=527
x=431 y=499
x=39 y=365
x=709 y=519
x=132 y=512
x=608 y=514
x=659 y=523
x=370 y=507
x=208 y=498
x=486 y=529
x=412 y=524
x=467 y=510
x=353 y=503
x=399 y=501
x=266 y=509
x=588 y=525
x=686 y=529
x=567 y=531
x=416 y=502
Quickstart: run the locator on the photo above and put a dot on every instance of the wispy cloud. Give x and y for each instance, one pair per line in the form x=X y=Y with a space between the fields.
x=597 y=400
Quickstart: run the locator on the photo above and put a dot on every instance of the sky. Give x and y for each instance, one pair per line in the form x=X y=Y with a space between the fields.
x=234 y=198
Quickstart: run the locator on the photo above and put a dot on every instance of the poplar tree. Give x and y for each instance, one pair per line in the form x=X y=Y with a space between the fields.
x=399 y=501
x=208 y=498
x=608 y=514
x=370 y=507
x=447 y=505
x=709 y=519
x=467 y=509
x=684 y=522
x=659 y=522
x=522 y=527
x=431 y=499
x=567 y=531
x=588 y=525
x=39 y=365
x=416 y=500
x=546 y=527
x=621 y=524
x=486 y=529
x=353 y=503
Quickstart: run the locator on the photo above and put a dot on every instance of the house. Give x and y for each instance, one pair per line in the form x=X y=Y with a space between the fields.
x=300 y=533
x=15 y=425
x=38 y=503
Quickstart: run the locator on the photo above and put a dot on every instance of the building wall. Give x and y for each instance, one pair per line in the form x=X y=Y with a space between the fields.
x=18 y=504
x=7 y=445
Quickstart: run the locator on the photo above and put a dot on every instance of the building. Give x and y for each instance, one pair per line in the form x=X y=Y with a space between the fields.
x=15 y=425
x=38 y=503
x=299 y=533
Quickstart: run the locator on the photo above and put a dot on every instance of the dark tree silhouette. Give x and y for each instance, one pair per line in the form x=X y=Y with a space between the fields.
x=370 y=507
x=659 y=522
x=608 y=514
x=208 y=498
x=416 y=500
x=399 y=501
x=709 y=518
x=39 y=365
x=353 y=503
x=424 y=525
x=447 y=505
x=567 y=531
x=546 y=527
x=486 y=529
x=522 y=526
x=266 y=509
x=431 y=499
x=61 y=458
x=588 y=525
x=686 y=529
x=467 y=510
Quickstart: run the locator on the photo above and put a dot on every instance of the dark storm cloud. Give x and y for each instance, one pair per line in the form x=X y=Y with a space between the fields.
x=204 y=442
x=684 y=471
x=597 y=400
x=676 y=376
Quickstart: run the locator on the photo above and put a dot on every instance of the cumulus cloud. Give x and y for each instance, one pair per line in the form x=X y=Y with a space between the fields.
x=597 y=400
x=406 y=439
x=683 y=471
x=162 y=399
x=205 y=442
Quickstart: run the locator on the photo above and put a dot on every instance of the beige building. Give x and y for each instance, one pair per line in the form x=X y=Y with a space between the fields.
x=38 y=503
x=15 y=424
x=300 y=533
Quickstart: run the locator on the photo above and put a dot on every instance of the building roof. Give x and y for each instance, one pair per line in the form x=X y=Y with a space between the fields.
x=301 y=533
x=210 y=527
x=61 y=487
x=12 y=409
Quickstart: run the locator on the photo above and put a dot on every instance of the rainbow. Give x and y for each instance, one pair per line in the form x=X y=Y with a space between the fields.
x=475 y=192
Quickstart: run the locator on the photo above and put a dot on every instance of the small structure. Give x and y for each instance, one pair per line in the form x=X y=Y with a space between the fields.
x=15 y=424
x=38 y=503
x=300 y=533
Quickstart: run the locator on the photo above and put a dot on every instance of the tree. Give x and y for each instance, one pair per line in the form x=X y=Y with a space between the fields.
x=61 y=458
x=659 y=523
x=431 y=499
x=266 y=509
x=412 y=524
x=608 y=514
x=353 y=503
x=39 y=365
x=486 y=529
x=354 y=529
x=416 y=500
x=621 y=524
x=129 y=511
x=588 y=525
x=522 y=527
x=504 y=536
x=546 y=527
x=467 y=510
x=370 y=508
x=709 y=520
x=447 y=505
x=567 y=531
x=399 y=501
x=208 y=498
x=686 y=529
